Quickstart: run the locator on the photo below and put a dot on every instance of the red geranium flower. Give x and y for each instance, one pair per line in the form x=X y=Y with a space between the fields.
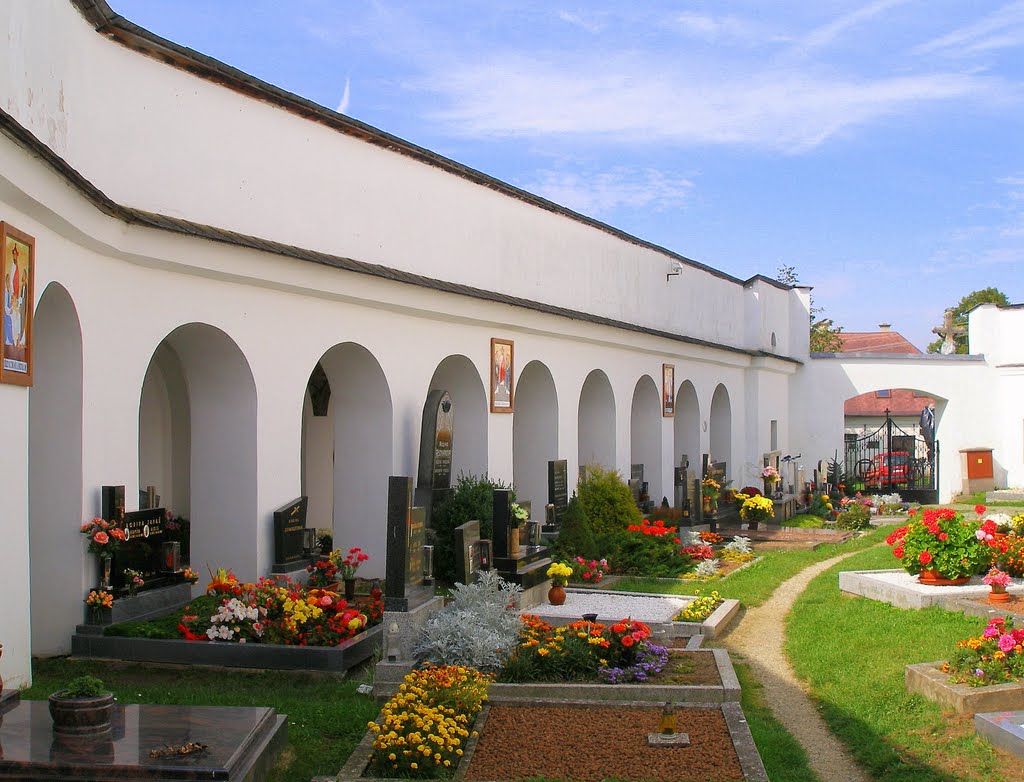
x=924 y=558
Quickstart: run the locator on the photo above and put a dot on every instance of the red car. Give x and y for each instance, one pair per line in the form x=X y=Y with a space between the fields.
x=888 y=469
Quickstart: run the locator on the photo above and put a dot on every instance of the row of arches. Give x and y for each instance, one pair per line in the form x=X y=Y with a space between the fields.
x=198 y=420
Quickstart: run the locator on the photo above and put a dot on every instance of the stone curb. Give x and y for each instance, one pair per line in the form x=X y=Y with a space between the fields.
x=926 y=679
x=336 y=659
x=739 y=731
x=712 y=627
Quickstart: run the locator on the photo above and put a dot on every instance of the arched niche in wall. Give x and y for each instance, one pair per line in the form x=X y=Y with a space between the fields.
x=197 y=443
x=721 y=431
x=346 y=450
x=645 y=434
x=57 y=569
x=534 y=434
x=459 y=377
x=686 y=427
x=596 y=422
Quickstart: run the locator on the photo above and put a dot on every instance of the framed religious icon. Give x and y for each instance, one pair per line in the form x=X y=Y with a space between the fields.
x=668 y=390
x=17 y=272
x=502 y=376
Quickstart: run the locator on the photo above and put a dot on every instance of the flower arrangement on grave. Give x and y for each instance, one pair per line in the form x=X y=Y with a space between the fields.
x=649 y=548
x=940 y=539
x=1012 y=559
x=134 y=580
x=190 y=575
x=738 y=550
x=223 y=582
x=559 y=573
x=581 y=651
x=710 y=489
x=427 y=723
x=322 y=573
x=821 y=505
x=997 y=579
x=994 y=657
x=589 y=571
x=104 y=537
x=98 y=600
x=349 y=564
x=518 y=513
x=757 y=509
x=711 y=538
x=770 y=475
x=277 y=610
x=700 y=608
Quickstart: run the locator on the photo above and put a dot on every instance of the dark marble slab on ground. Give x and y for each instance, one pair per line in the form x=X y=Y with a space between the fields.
x=241 y=744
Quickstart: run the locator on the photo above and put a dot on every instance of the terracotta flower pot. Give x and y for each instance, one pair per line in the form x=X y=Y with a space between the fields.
x=556 y=595
x=998 y=595
x=931 y=577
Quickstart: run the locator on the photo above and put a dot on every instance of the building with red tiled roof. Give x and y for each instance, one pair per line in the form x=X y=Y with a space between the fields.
x=866 y=413
x=882 y=341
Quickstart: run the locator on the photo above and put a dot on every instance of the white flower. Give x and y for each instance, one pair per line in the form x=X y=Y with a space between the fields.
x=1001 y=520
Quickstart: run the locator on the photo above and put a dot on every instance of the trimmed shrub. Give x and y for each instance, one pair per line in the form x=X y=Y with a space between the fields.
x=472 y=499
x=576 y=537
x=607 y=501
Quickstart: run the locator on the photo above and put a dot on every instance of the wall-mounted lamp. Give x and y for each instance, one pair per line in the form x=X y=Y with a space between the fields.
x=676 y=270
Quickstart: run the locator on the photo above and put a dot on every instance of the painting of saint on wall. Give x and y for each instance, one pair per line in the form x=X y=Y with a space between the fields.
x=502 y=376
x=17 y=271
x=668 y=390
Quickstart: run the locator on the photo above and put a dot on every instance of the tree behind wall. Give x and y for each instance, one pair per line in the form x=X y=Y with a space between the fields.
x=825 y=334
x=968 y=303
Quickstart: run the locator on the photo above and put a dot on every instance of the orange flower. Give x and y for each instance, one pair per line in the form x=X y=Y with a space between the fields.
x=101 y=538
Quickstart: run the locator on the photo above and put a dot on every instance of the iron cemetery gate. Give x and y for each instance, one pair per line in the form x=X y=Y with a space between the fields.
x=893 y=460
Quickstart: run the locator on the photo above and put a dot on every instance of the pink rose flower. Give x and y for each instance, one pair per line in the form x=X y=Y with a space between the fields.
x=1006 y=643
x=990 y=632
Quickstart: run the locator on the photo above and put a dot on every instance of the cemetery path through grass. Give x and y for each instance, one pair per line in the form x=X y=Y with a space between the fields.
x=759 y=641
x=852 y=652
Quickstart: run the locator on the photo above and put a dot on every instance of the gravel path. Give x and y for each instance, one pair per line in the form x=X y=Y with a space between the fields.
x=758 y=639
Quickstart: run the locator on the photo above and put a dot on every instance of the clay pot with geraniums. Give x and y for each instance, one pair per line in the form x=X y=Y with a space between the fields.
x=940 y=547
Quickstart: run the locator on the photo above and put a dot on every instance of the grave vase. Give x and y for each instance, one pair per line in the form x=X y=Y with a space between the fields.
x=105 y=573
x=350 y=589
x=932 y=577
x=998 y=594
x=556 y=595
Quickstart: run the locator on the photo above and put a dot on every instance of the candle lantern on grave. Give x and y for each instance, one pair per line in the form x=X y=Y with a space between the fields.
x=428 y=565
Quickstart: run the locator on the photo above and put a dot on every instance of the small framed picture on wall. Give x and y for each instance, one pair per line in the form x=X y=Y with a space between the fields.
x=17 y=272
x=668 y=390
x=502 y=376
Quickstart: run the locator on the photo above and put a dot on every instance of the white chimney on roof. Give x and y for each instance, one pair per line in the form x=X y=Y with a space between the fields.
x=884 y=327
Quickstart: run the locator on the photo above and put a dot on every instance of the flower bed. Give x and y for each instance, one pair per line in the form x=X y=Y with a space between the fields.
x=425 y=729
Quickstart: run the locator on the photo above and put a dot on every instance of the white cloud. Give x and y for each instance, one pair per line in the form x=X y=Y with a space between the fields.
x=590 y=24
x=718 y=28
x=346 y=96
x=825 y=34
x=634 y=100
x=1003 y=28
x=599 y=193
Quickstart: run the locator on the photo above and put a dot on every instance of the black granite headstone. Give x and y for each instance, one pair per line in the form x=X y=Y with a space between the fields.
x=289 y=533
x=112 y=503
x=403 y=569
x=502 y=524
x=558 y=487
x=142 y=550
x=436 y=442
x=467 y=554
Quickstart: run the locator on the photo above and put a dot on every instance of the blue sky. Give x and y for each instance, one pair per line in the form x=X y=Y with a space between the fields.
x=878 y=147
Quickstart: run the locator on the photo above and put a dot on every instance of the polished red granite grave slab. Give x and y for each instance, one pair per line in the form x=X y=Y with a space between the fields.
x=241 y=744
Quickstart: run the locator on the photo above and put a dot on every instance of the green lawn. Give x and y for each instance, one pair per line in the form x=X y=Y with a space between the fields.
x=852 y=652
x=755 y=583
x=326 y=718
